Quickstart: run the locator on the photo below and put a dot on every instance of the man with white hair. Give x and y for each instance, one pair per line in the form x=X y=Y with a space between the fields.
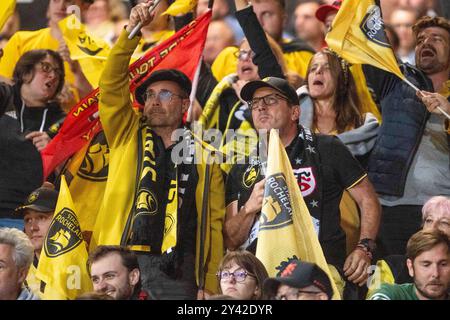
x=16 y=255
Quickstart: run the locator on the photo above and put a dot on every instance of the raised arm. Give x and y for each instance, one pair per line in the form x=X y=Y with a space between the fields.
x=264 y=57
x=115 y=104
x=380 y=81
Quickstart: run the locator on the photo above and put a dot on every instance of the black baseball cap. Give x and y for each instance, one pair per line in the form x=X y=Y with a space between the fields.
x=163 y=75
x=42 y=199
x=300 y=274
x=279 y=84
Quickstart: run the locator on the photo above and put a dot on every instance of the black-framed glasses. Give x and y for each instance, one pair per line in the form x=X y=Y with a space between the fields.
x=244 y=55
x=163 y=95
x=238 y=275
x=294 y=294
x=48 y=68
x=268 y=101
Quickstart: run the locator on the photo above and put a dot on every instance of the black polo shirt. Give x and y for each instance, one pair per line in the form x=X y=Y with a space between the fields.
x=339 y=171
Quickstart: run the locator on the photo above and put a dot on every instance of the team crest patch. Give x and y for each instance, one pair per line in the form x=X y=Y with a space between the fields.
x=372 y=26
x=63 y=235
x=96 y=161
x=306 y=180
x=240 y=113
x=250 y=176
x=146 y=202
x=32 y=197
x=277 y=210
x=88 y=45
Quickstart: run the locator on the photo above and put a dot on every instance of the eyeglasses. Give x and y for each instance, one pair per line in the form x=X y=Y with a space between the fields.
x=244 y=55
x=239 y=276
x=293 y=295
x=48 y=68
x=268 y=101
x=164 y=96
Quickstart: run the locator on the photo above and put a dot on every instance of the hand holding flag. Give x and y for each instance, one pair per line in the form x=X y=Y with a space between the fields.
x=433 y=101
x=141 y=15
x=357 y=34
x=285 y=225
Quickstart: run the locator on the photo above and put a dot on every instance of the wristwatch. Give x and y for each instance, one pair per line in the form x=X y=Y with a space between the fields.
x=368 y=244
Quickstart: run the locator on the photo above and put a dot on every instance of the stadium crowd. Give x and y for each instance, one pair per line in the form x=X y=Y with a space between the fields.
x=174 y=192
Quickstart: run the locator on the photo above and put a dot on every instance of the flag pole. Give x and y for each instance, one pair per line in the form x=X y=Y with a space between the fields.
x=189 y=119
x=417 y=89
x=138 y=27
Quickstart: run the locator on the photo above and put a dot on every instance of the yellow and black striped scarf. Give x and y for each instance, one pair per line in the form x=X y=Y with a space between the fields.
x=153 y=225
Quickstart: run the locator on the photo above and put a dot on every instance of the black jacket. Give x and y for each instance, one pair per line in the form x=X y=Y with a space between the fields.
x=20 y=162
x=404 y=119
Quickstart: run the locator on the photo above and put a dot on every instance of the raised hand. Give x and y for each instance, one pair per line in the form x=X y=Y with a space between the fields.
x=140 y=13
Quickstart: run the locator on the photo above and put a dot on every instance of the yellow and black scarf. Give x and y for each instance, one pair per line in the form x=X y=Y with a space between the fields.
x=154 y=223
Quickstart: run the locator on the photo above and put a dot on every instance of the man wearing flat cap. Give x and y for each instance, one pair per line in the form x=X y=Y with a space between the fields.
x=158 y=202
x=299 y=280
x=37 y=213
x=324 y=168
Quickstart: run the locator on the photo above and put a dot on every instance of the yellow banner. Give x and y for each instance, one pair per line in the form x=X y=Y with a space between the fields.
x=7 y=8
x=285 y=226
x=180 y=7
x=89 y=51
x=357 y=34
x=86 y=175
x=62 y=263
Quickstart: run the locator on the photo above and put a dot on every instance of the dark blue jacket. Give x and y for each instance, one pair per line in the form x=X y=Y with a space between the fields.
x=404 y=118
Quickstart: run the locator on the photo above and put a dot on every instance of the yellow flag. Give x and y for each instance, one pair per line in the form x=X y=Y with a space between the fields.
x=180 y=7
x=285 y=226
x=357 y=34
x=91 y=52
x=62 y=264
x=86 y=175
x=7 y=8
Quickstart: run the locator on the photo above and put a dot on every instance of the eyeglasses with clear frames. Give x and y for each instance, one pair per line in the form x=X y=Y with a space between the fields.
x=48 y=68
x=164 y=96
x=268 y=101
x=244 y=55
x=238 y=275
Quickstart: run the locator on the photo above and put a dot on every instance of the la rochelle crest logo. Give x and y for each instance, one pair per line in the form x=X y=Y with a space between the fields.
x=64 y=234
x=372 y=26
x=277 y=210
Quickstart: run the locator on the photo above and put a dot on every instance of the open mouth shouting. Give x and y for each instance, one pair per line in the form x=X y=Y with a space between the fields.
x=318 y=83
x=427 y=53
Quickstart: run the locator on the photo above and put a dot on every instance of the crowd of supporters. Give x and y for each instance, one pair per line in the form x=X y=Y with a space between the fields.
x=370 y=154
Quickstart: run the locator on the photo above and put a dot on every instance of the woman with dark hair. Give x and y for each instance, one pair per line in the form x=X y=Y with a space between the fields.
x=29 y=118
x=336 y=105
x=241 y=276
x=50 y=38
x=330 y=105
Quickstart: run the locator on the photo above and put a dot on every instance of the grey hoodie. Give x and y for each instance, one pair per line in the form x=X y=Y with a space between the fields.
x=359 y=140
